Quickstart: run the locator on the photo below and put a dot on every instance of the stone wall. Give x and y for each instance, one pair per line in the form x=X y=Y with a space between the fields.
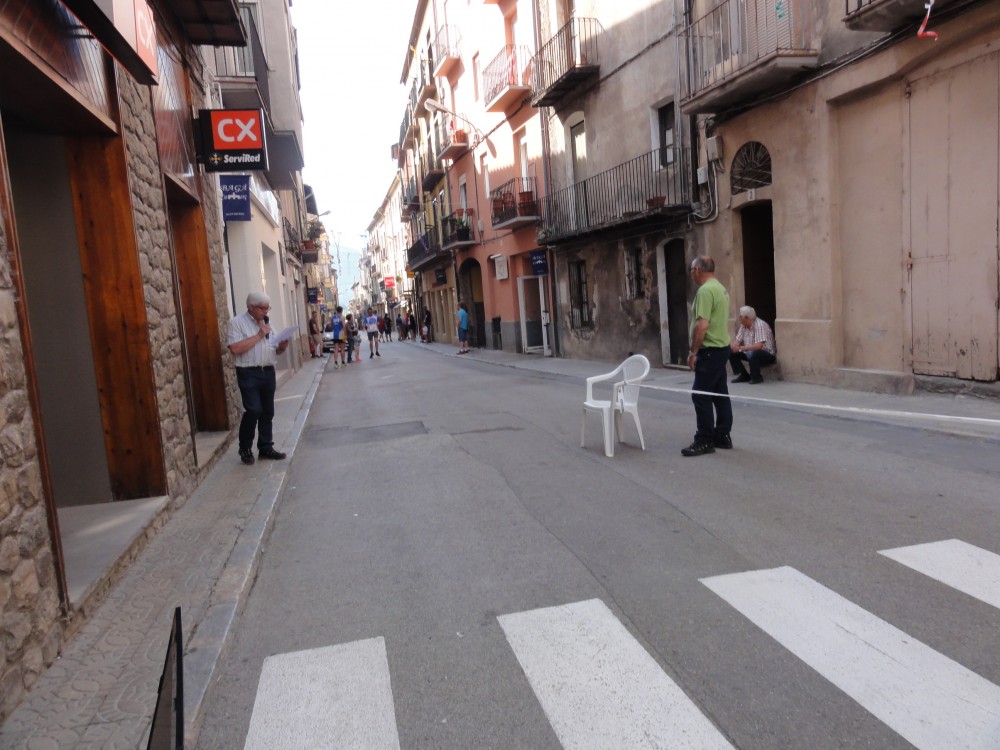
x=30 y=634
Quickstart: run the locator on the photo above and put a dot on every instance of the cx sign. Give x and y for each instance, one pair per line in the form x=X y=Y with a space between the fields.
x=232 y=140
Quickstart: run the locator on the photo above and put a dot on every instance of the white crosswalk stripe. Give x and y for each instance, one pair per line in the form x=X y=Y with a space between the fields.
x=332 y=697
x=598 y=686
x=930 y=700
x=962 y=566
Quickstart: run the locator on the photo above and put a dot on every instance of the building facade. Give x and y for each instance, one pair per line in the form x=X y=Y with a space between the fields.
x=117 y=280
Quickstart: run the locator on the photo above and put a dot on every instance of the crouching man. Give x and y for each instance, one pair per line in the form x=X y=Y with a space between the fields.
x=754 y=344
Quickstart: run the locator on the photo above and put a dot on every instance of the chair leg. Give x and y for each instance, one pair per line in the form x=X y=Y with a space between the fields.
x=638 y=428
x=609 y=435
x=618 y=426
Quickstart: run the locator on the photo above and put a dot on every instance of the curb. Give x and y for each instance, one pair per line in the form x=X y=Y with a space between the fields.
x=209 y=640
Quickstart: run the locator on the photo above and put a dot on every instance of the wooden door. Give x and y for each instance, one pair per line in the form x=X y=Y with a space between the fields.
x=953 y=214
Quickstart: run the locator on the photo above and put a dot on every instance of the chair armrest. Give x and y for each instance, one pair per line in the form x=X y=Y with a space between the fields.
x=600 y=379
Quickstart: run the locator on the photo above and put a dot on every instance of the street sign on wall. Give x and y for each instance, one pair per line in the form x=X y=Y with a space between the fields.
x=232 y=140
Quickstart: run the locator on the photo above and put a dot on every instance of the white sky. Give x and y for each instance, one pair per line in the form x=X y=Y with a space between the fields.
x=351 y=55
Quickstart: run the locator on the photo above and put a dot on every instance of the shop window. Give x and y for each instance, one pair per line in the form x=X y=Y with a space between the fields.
x=579 y=295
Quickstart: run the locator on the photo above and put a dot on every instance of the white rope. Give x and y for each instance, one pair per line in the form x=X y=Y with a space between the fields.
x=830 y=407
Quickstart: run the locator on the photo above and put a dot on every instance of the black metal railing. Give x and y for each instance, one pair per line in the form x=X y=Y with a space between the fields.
x=505 y=70
x=852 y=6
x=426 y=85
x=426 y=245
x=515 y=198
x=447 y=43
x=456 y=228
x=653 y=183
x=573 y=47
x=247 y=63
x=735 y=35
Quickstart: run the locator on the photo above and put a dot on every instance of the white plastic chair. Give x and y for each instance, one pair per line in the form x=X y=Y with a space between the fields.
x=624 y=399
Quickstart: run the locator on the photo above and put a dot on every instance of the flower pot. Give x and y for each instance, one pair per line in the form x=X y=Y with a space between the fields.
x=657 y=201
x=463 y=234
x=460 y=136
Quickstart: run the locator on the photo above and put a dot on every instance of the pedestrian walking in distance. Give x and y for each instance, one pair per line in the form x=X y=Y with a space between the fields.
x=371 y=326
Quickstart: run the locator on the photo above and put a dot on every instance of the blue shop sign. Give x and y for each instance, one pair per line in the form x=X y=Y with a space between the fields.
x=235 y=197
x=539 y=263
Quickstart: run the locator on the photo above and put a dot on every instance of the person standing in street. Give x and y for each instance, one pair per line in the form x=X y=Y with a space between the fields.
x=339 y=337
x=387 y=325
x=427 y=333
x=709 y=355
x=352 y=337
x=463 y=328
x=315 y=336
x=371 y=326
x=254 y=357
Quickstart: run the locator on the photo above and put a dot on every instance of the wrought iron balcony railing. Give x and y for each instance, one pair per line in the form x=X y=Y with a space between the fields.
x=514 y=203
x=426 y=85
x=740 y=49
x=565 y=61
x=886 y=15
x=457 y=229
x=447 y=49
x=237 y=67
x=426 y=247
x=504 y=79
x=653 y=184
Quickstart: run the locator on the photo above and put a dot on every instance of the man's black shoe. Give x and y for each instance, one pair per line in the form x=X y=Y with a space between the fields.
x=371 y=355
x=744 y=378
x=698 y=449
x=271 y=453
x=377 y=354
x=723 y=441
x=246 y=456
x=755 y=381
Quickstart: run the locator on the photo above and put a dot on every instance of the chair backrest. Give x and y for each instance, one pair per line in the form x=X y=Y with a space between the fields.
x=634 y=370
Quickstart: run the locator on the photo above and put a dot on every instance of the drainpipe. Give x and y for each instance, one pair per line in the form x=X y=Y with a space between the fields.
x=692 y=119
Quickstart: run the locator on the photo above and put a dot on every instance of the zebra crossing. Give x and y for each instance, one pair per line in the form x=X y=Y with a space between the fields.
x=600 y=688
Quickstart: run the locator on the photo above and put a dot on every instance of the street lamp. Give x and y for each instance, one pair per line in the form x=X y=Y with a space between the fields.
x=435 y=106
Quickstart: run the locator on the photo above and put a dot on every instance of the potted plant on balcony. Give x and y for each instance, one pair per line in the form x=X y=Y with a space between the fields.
x=526 y=203
x=463 y=228
x=459 y=136
x=657 y=201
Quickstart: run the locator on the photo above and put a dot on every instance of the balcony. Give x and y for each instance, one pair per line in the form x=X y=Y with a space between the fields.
x=565 y=62
x=514 y=204
x=646 y=189
x=455 y=143
x=431 y=172
x=242 y=71
x=426 y=249
x=410 y=199
x=504 y=79
x=886 y=15
x=425 y=86
x=745 y=48
x=447 y=50
x=457 y=230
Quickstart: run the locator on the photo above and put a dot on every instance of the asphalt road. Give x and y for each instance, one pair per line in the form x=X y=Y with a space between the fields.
x=449 y=569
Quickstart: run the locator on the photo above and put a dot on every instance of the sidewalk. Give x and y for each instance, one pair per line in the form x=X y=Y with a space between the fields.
x=100 y=693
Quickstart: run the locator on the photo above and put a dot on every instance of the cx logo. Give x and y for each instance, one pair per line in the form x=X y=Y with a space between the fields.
x=236 y=129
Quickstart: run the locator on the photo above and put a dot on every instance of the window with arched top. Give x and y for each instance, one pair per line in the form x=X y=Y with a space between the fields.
x=751 y=168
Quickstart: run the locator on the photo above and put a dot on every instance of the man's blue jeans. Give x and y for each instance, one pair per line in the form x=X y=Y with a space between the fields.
x=714 y=413
x=257 y=386
x=756 y=359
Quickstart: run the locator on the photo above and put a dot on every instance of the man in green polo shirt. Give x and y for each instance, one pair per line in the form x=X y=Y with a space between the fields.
x=708 y=358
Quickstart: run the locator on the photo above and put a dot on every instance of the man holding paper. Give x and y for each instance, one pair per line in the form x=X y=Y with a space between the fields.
x=254 y=356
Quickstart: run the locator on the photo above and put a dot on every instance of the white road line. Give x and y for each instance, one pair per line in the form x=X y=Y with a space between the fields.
x=932 y=701
x=597 y=685
x=333 y=697
x=962 y=566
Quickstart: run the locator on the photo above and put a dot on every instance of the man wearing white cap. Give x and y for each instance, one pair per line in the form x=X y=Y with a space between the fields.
x=255 y=357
